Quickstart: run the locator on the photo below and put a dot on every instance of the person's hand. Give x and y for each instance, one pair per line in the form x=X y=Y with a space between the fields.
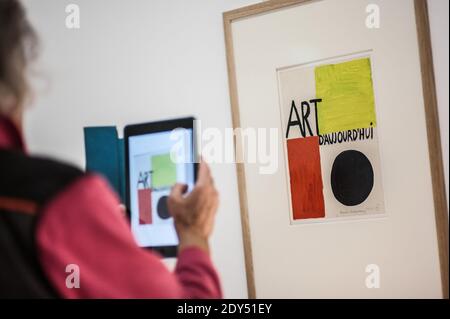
x=194 y=213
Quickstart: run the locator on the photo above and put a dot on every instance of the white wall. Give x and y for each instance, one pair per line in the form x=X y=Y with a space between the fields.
x=153 y=59
x=439 y=26
x=137 y=61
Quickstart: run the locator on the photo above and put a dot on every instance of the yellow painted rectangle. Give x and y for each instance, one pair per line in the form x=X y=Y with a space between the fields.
x=346 y=90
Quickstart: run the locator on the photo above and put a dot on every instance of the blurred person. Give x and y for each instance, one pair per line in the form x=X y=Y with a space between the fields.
x=53 y=215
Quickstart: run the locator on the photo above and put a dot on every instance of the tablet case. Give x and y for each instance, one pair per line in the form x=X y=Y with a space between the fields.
x=105 y=155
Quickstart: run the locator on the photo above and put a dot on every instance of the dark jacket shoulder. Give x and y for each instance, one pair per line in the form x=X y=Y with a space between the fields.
x=32 y=177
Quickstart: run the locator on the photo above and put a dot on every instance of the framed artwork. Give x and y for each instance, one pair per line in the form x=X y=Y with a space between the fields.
x=359 y=189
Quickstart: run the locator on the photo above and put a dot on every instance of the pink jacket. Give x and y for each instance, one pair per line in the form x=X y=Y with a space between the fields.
x=83 y=225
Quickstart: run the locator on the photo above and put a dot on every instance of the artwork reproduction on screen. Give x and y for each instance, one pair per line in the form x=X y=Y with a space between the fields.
x=331 y=145
x=157 y=174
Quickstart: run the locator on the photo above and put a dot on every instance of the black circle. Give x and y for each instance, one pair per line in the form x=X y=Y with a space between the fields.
x=161 y=208
x=351 y=178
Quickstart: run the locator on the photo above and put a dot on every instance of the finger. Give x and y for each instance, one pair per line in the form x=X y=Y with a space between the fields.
x=178 y=190
x=203 y=173
x=123 y=210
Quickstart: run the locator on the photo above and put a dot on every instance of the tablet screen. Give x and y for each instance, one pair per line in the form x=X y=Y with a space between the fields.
x=156 y=162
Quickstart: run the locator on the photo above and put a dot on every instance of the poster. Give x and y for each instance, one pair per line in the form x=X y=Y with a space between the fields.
x=328 y=114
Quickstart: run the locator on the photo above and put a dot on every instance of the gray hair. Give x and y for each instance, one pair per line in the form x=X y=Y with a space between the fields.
x=18 y=46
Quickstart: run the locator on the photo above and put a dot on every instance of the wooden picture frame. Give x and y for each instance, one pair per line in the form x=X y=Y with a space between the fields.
x=431 y=117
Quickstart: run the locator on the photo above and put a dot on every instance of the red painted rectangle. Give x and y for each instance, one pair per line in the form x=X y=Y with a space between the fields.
x=305 y=178
x=145 y=205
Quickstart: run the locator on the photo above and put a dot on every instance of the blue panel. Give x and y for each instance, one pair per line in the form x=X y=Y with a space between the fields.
x=121 y=155
x=105 y=155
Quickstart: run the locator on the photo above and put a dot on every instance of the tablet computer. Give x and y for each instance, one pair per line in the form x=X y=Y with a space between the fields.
x=157 y=155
